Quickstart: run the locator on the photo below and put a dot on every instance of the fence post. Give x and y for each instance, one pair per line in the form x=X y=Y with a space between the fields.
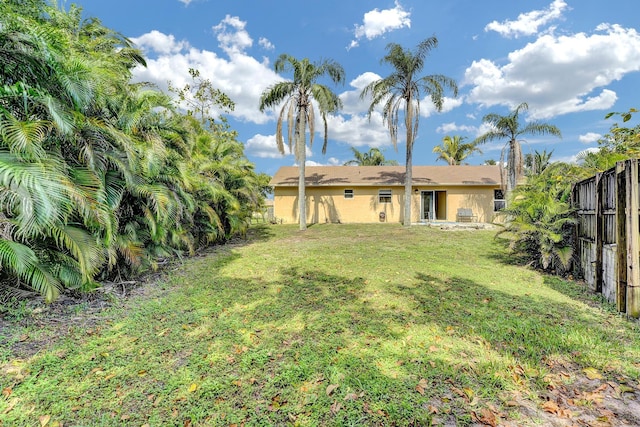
x=599 y=235
x=633 y=239
x=621 y=237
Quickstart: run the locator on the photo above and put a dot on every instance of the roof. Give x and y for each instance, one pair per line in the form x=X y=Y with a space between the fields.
x=341 y=176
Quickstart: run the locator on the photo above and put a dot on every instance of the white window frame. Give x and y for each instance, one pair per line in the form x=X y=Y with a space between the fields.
x=498 y=204
x=384 y=196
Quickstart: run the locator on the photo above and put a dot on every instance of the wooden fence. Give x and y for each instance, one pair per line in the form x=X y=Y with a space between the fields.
x=607 y=240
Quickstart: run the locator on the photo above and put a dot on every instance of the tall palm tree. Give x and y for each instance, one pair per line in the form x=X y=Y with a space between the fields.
x=454 y=150
x=508 y=127
x=402 y=91
x=298 y=109
x=373 y=157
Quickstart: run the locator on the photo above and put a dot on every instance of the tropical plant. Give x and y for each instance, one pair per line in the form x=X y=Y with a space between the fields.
x=101 y=178
x=402 y=91
x=508 y=127
x=535 y=163
x=540 y=226
x=296 y=97
x=373 y=157
x=454 y=150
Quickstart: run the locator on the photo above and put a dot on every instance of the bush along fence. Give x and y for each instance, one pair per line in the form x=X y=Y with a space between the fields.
x=608 y=234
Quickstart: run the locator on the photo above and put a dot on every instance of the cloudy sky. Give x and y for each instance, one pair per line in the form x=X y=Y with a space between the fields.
x=572 y=61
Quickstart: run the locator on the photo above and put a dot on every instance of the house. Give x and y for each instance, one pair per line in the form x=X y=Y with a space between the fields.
x=365 y=194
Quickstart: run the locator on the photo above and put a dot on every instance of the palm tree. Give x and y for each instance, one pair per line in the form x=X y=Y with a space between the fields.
x=402 y=91
x=508 y=127
x=298 y=109
x=454 y=150
x=373 y=157
x=535 y=163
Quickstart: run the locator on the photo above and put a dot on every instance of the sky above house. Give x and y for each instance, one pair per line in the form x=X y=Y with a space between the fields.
x=572 y=61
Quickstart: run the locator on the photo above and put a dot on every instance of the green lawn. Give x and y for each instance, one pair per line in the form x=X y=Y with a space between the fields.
x=339 y=325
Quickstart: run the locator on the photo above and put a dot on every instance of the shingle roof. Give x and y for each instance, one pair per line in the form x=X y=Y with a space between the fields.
x=287 y=176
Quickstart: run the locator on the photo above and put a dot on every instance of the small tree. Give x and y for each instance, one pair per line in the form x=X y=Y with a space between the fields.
x=373 y=157
x=454 y=150
x=508 y=127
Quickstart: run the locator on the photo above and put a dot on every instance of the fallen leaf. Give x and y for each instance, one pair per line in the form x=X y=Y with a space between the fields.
x=335 y=407
x=432 y=409
x=351 y=396
x=331 y=388
x=626 y=389
x=422 y=385
x=6 y=392
x=193 y=387
x=486 y=417
x=592 y=373
x=44 y=420
x=550 y=406
x=142 y=372
x=469 y=393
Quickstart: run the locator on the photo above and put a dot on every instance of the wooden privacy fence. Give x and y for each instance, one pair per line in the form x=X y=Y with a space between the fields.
x=607 y=241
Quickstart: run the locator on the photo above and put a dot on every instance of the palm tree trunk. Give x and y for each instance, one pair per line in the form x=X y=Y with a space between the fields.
x=301 y=157
x=408 y=178
x=514 y=164
x=407 y=186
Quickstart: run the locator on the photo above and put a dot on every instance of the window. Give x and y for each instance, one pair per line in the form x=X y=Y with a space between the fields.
x=499 y=202
x=384 y=196
x=348 y=194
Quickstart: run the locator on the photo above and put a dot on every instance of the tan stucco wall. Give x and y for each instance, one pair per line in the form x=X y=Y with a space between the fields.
x=328 y=204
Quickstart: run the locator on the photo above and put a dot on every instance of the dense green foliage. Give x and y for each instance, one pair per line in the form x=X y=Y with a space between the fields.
x=539 y=226
x=99 y=177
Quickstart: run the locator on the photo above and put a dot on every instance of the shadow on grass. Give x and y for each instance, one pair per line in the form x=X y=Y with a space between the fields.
x=313 y=348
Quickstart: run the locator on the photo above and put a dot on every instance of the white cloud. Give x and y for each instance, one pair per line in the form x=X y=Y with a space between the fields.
x=376 y=22
x=263 y=146
x=447 y=128
x=265 y=43
x=589 y=137
x=186 y=2
x=528 y=23
x=331 y=161
x=558 y=75
x=232 y=36
x=428 y=109
x=359 y=131
x=241 y=77
x=351 y=102
x=162 y=44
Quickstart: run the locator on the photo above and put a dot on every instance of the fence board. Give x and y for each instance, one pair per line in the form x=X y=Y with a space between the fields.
x=607 y=236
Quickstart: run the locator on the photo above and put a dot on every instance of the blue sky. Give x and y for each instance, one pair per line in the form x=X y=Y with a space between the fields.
x=572 y=61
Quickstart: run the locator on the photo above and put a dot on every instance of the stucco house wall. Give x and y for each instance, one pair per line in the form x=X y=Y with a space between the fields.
x=326 y=201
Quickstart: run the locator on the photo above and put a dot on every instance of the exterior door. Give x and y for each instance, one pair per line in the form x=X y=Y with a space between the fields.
x=428 y=205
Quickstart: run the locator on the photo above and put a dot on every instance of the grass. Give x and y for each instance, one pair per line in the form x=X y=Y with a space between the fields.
x=340 y=325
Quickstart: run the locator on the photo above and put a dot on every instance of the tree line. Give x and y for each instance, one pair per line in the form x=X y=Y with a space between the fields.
x=102 y=178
